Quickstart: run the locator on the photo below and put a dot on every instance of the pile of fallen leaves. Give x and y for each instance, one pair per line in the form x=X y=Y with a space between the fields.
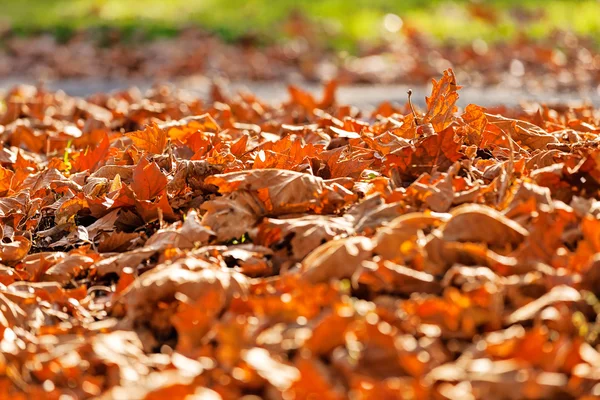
x=561 y=62
x=158 y=247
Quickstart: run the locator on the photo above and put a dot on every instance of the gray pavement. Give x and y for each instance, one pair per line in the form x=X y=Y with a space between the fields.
x=364 y=96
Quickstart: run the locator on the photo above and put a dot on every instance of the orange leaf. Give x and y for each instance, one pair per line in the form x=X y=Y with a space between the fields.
x=89 y=160
x=328 y=99
x=152 y=139
x=438 y=151
x=150 y=211
x=6 y=176
x=302 y=98
x=16 y=250
x=180 y=130
x=441 y=103
x=148 y=180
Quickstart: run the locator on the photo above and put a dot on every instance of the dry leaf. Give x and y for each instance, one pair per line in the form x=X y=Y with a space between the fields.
x=298 y=250
x=152 y=139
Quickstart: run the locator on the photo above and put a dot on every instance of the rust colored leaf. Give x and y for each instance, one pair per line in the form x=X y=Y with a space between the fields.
x=283 y=191
x=437 y=151
x=148 y=180
x=91 y=159
x=523 y=132
x=182 y=129
x=303 y=234
x=238 y=248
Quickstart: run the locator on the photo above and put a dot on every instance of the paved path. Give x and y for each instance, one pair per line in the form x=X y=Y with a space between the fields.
x=365 y=96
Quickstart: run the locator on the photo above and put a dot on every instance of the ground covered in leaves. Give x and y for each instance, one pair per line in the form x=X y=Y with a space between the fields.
x=157 y=247
x=561 y=61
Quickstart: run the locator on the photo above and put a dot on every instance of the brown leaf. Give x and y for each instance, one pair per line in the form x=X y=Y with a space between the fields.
x=476 y=122
x=186 y=280
x=393 y=278
x=523 y=132
x=304 y=234
x=231 y=216
x=402 y=231
x=68 y=268
x=283 y=191
x=337 y=259
x=476 y=223
x=556 y=295
x=182 y=236
x=15 y=250
x=106 y=224
x=180 y=130
x=438 y=151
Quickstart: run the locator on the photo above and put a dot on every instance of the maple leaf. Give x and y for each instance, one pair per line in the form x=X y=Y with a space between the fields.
x=152 y=138
x=350 y=165
x=284 y=154
x=336 y=259
x=90 y=159
x=180 y=130
x=226 y=264
x=308 y=102
x=157 y=209
x=188 y=277
x=437 y=151
x=282 y=191
x=6 y=178
x=476 y=122
x=306 y=233
x=441 y=103
x=328 y=99
x=386 y=143
x=148 y=180
x=523 y=132
x=239 y=147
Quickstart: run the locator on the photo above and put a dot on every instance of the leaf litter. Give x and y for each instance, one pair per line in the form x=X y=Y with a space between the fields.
x=560 y=61
x=160 y=246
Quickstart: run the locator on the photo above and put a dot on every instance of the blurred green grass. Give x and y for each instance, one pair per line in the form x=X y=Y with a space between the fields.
x=350 y=21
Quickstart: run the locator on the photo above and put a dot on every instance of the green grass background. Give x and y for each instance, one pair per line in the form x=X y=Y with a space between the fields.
x=351 y=20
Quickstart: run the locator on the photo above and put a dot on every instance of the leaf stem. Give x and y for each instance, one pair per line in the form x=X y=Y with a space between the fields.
x=409 y=92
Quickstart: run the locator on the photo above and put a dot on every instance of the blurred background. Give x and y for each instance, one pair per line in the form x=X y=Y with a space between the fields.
x=531 y=45
x=346 y=23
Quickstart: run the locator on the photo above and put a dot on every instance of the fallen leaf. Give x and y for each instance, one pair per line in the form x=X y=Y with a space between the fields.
x=147 y=180
x=337 y=259
x=151 y=139
x=441 y=103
